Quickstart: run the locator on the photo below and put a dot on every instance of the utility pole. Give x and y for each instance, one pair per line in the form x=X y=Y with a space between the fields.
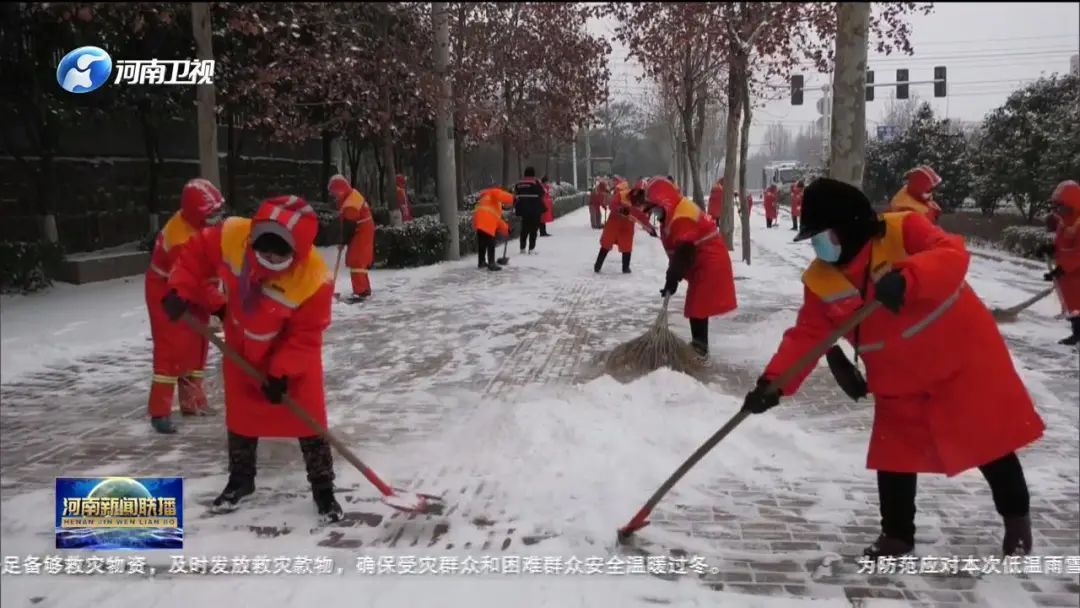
x=208 y=147
x=444 y=130
x=588 y=157
x=847 y=141
x=610 y=133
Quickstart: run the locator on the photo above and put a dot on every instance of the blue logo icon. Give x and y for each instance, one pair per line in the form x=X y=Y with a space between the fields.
x=84 y=70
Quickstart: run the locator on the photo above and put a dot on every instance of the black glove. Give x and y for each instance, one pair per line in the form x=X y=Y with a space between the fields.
x=274 y=388
x=1053 y=274
x=889 y=290
x=671 y=285
x=220 y=313
x=174 y=305
x=846 y=374
x=761 y=400
x=625 y=211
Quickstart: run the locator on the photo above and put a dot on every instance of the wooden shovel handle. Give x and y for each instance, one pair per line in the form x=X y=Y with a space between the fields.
x=288 y=402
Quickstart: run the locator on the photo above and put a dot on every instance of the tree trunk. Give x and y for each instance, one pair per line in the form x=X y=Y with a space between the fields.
x=389 y=185
x=231 y=160
x=150 y=147
x=380 y=170
x=444 y=131
x=208 y=148
x=459 y=166
x=848 y=133
x=327 y=152
x=731 y=146
x=505 y=159
x=744 y=145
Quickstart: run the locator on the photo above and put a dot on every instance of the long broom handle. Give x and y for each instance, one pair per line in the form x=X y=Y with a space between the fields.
x=1028 y=302
x=293 y=406
x=784 y=378
x=340 y=247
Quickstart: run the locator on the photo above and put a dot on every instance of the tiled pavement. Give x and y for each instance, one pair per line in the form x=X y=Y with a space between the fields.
x=767 y=543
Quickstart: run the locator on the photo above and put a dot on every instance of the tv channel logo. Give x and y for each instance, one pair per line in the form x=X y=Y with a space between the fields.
x=119 y=513
x=84 y=70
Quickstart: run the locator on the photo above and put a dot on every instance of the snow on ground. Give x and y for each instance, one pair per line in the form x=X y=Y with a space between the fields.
x=566 y=463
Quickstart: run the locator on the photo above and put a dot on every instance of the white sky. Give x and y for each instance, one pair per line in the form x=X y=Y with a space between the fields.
x=989 y=49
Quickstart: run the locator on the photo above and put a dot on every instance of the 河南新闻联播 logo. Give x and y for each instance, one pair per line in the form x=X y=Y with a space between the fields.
x=84 y=70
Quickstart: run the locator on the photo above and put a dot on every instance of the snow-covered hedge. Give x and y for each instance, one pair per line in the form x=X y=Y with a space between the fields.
x=423 y=240
x=25 y=266
x=1025 y=241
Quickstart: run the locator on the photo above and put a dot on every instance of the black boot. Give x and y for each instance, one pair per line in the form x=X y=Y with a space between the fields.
x=626 y=263
x=320 y=473
x=600 y=260
x=888 y=546
x=242 y=456
x=163 y=424
x=494 y=267
x=238 y=488
x=1017 y=535
x=1074 y=339
x=327 y=505
x=699 y=336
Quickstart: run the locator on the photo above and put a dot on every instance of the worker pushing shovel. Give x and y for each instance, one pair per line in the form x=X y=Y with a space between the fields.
x=278 y=300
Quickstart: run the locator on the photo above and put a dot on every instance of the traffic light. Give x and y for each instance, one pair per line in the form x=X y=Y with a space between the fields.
x=901 y=84
x=870 y=85
x=796 y=89
x=939 y=81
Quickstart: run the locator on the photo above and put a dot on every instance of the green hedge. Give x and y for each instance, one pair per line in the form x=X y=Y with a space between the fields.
x=25 y=266
x=1025 y=241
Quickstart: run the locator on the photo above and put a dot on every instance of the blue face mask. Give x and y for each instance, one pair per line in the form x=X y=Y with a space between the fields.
x=824 y=246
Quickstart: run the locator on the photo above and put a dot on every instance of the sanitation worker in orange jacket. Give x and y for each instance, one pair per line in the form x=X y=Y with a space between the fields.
x=946 y=395
x=549 y=207
x=598 y=200
x=179 y=352
x=361 y=252
x=697 y=253
x=1066 y=252
x=619 y=227
x=279 y=294
x=488 y=222
x=796 y=203
x=771 y=205
x=917 y=194
x=716 y=200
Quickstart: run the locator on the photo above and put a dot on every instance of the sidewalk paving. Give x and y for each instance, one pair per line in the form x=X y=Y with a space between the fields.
x=437 y=347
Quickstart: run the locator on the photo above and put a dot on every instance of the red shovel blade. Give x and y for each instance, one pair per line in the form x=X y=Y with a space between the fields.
x=412 y=502
x=639 y=522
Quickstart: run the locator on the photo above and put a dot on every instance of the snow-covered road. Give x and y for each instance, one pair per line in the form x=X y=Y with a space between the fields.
x=479 y=386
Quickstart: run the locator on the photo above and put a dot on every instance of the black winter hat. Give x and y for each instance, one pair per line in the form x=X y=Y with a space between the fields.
x=833 y=204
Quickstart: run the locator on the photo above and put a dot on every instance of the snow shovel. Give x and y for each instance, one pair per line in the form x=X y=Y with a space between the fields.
x=402 y=500
x=504 y=260
x=641 y=519
x=1008 y=315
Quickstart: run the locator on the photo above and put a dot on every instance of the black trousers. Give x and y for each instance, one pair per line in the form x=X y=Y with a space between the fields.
x=896 y=493
x=485 y=247
x=699 y=333
x=794 y=222
x=530 y=226
x=768 y=222
x=317 y=458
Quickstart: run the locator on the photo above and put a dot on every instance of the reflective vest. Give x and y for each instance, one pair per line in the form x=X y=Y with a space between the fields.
x=688 y=210
x=356 y=203
x=903 y=201
x=290 y=288
x=175 y=233
x=830 y=284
